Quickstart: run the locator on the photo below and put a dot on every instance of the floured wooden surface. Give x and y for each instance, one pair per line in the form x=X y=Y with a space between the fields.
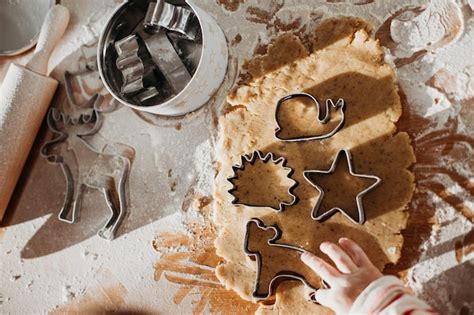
x=347 y=64
x=435 y=74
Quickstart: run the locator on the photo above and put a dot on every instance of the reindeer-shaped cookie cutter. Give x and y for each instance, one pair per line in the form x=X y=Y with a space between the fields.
x=72 y=202
x=340 y=103
x=282 y=275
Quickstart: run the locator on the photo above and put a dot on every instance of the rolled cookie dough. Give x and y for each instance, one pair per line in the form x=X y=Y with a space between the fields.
x=345 y=63
x=270 y=176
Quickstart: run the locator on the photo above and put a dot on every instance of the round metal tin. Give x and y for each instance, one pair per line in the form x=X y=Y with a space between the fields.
x=205 y=81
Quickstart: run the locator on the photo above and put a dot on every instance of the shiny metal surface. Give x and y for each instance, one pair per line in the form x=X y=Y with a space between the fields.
x=20 y=23
x=162 y=14
x=205 y=59
x=168 y=61
x=130 y=64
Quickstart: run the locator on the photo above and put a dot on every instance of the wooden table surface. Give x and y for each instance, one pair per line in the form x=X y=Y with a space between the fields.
x=202 y=291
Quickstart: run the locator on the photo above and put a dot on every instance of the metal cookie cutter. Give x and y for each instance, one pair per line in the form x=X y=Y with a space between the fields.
x=133 y=69
x=297 y=274
x=251 y=159
x=147 y=94
x=130 y=64
x=162 y=14
x=316 y=215
x=340 y=104
x=167 y=60
x=64 y=126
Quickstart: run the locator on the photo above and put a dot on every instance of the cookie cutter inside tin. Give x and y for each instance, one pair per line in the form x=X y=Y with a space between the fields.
x=210 y=61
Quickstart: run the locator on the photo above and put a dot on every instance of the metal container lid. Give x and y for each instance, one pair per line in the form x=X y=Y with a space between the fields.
x=20 y=24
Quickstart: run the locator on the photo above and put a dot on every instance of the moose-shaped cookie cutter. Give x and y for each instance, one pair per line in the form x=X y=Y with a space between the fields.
x=109 y=181
x=339 y=105
x=265 y=158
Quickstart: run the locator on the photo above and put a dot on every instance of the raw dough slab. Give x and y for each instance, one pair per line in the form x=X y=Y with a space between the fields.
x=345 y=63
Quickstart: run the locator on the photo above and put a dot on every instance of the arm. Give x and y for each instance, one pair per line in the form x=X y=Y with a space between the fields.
x=356 y=286
x=387 y=296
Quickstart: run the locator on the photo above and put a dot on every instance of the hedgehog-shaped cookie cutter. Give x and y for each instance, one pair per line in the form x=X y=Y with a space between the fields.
x=250 y=159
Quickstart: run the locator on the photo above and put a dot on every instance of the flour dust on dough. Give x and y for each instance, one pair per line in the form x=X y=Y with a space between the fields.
x=345 y=62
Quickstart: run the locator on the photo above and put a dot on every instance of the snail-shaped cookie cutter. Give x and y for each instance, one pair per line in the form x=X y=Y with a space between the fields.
x=340 y=103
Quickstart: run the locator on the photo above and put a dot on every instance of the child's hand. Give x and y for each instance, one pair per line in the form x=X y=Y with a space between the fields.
x=353 y=274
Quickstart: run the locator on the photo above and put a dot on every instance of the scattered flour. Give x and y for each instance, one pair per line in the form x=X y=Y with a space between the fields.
x=438 y=86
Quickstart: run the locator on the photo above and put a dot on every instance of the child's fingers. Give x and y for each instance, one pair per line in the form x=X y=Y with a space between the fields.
x=323 y=297
x=358 y=255
x=342 y=260
x=327 y=272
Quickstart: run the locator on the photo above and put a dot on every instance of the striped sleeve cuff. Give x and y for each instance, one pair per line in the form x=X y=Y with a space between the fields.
x=384 y=293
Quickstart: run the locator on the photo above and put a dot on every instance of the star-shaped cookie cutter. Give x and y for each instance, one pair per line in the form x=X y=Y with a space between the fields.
x=322 y=120
x=289 y=275
x=251 y=159
x=315 y=215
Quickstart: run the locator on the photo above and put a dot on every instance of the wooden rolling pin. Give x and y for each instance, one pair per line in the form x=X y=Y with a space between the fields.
x=25 y=96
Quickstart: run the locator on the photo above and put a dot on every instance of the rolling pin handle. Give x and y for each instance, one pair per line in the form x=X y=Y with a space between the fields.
x=51 y=32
